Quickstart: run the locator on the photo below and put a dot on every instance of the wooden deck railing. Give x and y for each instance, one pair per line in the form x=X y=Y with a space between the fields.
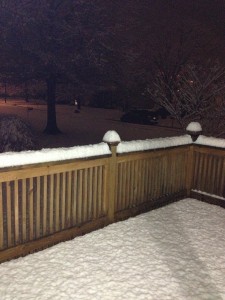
x=46 y=203
x=146 y=179
x=208 y=177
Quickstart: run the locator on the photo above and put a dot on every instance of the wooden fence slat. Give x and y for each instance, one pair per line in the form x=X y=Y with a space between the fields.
x=90 y=194
x=218 y=175
x=208 y=170
x=9 y=214
x=198 y=170
x=99 y=193
x=138 y=181
x=128 y=184
x=1 y=219
x=135 y=182
x=222 y=187
x=63 y=200
x=104 y=190
x=74 y=198
x=57 y=200
x=95 y=197
x=24 y=210
x=79 y=198
x=195 y=172
x=69 y=199
x=51 y=203
x=159 y=178
x=85 y=196
x=147 y=181
x=180 y=164
x=213 y=175
x=132 y=184
x=164 y=172
x=38 y=207
x=155 y=178
x=208 y=167
x=201 y=169
x=16 y=212
x=142 y=182
x=145 y=178
x=31 y=208
x=183 y=178
x=174 y=171
x=45 y=205
x=123 y=184
x=150 y=180
x=177 y=173
x=119 y=189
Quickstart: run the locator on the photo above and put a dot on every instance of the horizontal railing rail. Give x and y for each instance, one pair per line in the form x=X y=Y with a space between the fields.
x=44 y=203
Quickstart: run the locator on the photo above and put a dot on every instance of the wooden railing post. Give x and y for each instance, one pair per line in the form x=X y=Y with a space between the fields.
x=112 y=181
x=194 y=129
x=112 y=139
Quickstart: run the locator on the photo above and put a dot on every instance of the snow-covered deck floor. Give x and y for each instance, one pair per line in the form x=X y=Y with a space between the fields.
x=175 y=252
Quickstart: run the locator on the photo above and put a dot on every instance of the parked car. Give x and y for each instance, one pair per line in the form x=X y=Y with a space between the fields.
x=162 y=112
x=140 y=116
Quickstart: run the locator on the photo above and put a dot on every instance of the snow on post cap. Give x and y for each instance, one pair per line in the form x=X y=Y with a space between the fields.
x=194 y=126
x=111 y=137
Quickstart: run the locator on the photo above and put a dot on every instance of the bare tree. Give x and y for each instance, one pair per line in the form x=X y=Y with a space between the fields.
x=197 y=94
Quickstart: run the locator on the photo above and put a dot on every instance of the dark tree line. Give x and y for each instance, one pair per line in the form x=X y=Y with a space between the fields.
x=122 y=44
x=54 y=41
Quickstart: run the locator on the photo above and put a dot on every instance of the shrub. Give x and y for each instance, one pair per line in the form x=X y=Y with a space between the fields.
x=15 y=134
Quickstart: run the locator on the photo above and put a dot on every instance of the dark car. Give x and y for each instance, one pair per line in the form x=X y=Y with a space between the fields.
x=162 y=112
x=140 y=116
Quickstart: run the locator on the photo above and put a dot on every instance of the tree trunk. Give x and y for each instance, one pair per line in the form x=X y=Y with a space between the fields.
x=51 y=127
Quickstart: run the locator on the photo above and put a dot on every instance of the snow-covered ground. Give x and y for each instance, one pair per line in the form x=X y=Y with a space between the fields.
x=86 y=127
x=175 y=252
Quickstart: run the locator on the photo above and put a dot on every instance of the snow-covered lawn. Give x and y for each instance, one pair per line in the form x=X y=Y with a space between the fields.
x=87 y=127
x=175 y=252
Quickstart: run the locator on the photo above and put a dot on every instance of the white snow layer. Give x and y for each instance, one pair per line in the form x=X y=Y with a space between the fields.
x=175 y=252
x=10 y=159
x=194 y=126
x=210 y=141
x=142 y=145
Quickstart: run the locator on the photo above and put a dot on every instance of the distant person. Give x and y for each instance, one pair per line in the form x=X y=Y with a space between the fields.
x=77 y=104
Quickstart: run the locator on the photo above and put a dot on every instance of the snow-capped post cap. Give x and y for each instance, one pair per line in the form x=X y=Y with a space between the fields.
x=194 y=129
x=111 y=137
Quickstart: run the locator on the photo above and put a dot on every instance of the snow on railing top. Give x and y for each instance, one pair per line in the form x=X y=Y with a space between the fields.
x=210 y=141
x=12 y=159
x=143 y=145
